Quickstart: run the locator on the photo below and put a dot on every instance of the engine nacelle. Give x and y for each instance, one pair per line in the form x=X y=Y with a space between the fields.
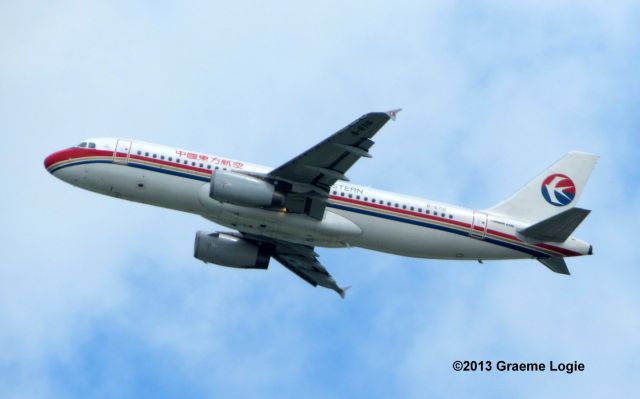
x=244 y=190
x=228 y=250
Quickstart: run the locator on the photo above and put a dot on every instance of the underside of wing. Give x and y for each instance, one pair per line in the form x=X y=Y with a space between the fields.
x=311 y=271
x=302 y=261
x=308 y=177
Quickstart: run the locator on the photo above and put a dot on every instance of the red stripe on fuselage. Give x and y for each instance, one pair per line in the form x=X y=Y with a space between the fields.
x=74 y=153
x=548 y=247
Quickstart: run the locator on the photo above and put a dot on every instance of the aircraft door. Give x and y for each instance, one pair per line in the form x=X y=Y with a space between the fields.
x=122 y=151
x=479 y=225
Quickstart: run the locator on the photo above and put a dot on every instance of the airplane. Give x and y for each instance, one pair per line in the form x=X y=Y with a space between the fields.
x=283 y=213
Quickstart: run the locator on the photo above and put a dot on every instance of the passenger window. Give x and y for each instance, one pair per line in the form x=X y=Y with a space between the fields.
x=366 y=199
x=420 y=210
x=334 y=192
x=161 y=156
x=170 y=159
x=208 y=166
x=357 y=197
x=193 y=163
x=139 y=152
x=146 y=154
x=450 y=216
x=388 y=203
x=396 y=205
x=404 y=207
x=428 y=212
x=442 y=214
x=186 y=162
x=350 y=196
x=217 y=167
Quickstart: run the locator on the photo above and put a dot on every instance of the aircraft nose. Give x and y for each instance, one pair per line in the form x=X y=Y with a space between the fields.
x=53 y=159
x=48 y=161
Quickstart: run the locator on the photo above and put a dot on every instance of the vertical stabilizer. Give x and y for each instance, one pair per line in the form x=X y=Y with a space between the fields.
x=555 y=190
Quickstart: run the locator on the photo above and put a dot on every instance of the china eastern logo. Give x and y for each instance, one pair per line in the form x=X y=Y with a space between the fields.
x=558 y=189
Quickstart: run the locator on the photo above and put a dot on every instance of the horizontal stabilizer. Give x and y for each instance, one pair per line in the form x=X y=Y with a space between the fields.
x=557 y=228
x=555 y=264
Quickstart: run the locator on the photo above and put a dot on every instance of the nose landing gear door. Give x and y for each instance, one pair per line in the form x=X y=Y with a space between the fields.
x=121 y=152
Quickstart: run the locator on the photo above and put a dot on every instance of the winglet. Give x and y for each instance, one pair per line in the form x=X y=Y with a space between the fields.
x=342 y=291
x=392 y=114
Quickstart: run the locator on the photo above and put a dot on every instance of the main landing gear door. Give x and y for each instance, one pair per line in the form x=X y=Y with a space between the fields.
x=121 y=153
x=479 y=225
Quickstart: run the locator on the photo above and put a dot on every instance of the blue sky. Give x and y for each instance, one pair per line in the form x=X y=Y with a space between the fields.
x=102 y=298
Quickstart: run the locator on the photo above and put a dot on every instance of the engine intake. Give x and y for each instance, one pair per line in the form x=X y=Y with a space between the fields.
x=231 y=251
x=244 y=190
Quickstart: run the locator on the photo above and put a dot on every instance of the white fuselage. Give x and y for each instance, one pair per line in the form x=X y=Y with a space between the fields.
x=355 y=215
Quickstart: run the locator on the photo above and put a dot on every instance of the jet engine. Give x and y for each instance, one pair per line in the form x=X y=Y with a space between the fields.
x=229 y=250
x=244 y=190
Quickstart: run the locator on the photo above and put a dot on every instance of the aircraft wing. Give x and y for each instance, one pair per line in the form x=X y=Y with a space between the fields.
x=310 y=270
x=302 y=261
x=308 y=177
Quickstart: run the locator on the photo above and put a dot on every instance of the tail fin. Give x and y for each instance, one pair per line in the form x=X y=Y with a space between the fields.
x=554 y=191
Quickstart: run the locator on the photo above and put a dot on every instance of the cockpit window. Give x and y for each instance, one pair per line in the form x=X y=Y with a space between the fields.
x=92 y=145
x=83 y=144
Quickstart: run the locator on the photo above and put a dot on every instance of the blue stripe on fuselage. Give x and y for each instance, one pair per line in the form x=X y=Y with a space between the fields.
x=57 y=168
x=133 y=164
